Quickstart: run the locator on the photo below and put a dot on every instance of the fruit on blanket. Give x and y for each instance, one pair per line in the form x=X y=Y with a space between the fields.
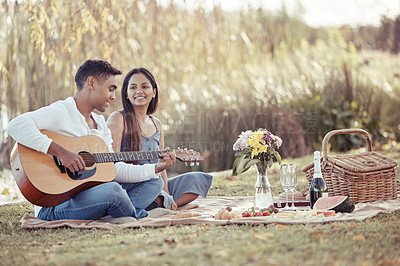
x=336 y=203
x=236 y=215
x=273 y=209
x=219 y=214
x=327 y=213
x=229 y=209
x=309 y=214
x=300 y=214
x=224 y=214
x=253 y=212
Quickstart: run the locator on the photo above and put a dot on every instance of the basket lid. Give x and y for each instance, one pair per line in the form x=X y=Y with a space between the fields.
x=363 y=162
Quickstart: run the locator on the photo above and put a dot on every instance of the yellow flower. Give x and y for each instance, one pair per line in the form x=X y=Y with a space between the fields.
x=258 y=135
x=255 y=152
x=257 y=144
x=254 y=144
x=255 y=140
x=263 y=148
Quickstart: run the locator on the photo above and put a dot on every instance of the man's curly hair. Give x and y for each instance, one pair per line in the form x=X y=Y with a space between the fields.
x=96 y=68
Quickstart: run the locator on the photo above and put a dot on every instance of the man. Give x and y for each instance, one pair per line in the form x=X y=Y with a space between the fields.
x=137 y=186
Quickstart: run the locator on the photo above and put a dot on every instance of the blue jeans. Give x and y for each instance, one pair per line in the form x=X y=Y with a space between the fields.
x=117 y=200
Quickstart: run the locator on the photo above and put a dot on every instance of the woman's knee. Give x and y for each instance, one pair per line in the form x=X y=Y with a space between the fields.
x=206 y=176
x=201 y=177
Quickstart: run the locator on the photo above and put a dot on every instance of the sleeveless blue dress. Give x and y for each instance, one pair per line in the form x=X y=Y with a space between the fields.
x=193 y=182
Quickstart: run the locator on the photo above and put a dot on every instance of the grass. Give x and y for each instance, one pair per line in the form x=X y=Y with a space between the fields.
x=375 y=241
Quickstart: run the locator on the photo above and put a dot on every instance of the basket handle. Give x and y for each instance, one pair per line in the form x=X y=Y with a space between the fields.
x=344 y=131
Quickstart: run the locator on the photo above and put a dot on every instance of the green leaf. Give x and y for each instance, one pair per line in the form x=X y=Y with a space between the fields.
x=241 y=153
x=242 y=165
x=278 y=157
x=251 y=162
x=245 y=169
x=234 y=173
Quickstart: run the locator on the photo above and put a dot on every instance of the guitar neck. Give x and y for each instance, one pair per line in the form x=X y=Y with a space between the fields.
x=127 y=156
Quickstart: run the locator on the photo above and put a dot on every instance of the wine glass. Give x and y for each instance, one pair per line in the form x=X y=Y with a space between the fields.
x=292 y=181
x=285 y=184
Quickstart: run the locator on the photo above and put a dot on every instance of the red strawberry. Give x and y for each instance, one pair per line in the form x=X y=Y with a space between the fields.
x=266 y=213
x=229 y=209
x=245 y=214
x=258 y=214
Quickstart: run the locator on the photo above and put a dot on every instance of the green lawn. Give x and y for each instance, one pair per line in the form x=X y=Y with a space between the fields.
x=375 y=241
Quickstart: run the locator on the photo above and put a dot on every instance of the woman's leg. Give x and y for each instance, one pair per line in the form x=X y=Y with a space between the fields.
x=92 y=204
x=183 y=202
x=187 y=187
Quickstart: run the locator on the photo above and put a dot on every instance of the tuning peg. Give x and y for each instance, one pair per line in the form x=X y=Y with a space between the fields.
x=186 y=163
x=197 y=163
x=191 y=163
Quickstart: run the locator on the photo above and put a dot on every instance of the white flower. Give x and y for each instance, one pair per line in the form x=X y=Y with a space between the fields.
x=241 y=142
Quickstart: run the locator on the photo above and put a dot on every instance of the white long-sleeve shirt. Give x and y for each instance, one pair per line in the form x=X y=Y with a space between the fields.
x=63 y=117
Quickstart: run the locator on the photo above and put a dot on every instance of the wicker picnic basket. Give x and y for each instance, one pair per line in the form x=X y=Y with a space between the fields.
x=364 y=177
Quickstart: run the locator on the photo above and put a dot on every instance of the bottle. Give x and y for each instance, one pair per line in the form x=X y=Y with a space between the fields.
x=318 y=187
x=262 y=190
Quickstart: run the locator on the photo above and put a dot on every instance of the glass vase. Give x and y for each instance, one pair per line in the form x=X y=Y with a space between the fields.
x=262 y=190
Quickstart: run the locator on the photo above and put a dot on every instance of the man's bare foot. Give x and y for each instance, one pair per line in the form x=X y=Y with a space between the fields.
x=188 y=206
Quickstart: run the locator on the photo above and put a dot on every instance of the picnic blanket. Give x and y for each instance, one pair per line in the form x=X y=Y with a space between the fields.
x=209 y=206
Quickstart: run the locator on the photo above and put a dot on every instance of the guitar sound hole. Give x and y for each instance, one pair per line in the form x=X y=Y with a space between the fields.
x=88 y=158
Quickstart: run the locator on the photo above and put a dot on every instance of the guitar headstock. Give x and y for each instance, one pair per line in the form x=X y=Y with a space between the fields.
x=188 y=156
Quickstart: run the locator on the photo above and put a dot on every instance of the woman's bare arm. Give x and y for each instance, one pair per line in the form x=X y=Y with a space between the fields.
x=116 y=124
x=164 y=173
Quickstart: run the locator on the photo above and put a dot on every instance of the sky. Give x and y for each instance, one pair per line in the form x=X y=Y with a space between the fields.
x=317 y=12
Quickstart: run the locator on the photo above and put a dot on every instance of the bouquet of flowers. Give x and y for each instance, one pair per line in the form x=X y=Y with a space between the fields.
x=253 y=147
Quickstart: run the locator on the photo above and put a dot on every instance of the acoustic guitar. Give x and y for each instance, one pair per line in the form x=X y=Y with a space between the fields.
x=44 y=181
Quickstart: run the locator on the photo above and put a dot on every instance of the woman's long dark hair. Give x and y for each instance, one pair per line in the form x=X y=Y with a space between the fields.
x=132 y=129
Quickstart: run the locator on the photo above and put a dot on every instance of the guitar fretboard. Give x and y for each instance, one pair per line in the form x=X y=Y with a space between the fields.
x=126 y=156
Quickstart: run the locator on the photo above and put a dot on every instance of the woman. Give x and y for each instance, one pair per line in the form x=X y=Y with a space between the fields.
x=134 y=128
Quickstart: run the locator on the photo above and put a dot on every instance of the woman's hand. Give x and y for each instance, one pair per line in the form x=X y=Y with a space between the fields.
x=173 y=206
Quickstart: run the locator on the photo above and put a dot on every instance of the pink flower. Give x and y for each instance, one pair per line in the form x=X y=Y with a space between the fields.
x=277 y=141
x=267 y=137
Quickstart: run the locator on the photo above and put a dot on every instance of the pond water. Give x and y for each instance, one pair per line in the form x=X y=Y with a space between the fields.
x=9 y=191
